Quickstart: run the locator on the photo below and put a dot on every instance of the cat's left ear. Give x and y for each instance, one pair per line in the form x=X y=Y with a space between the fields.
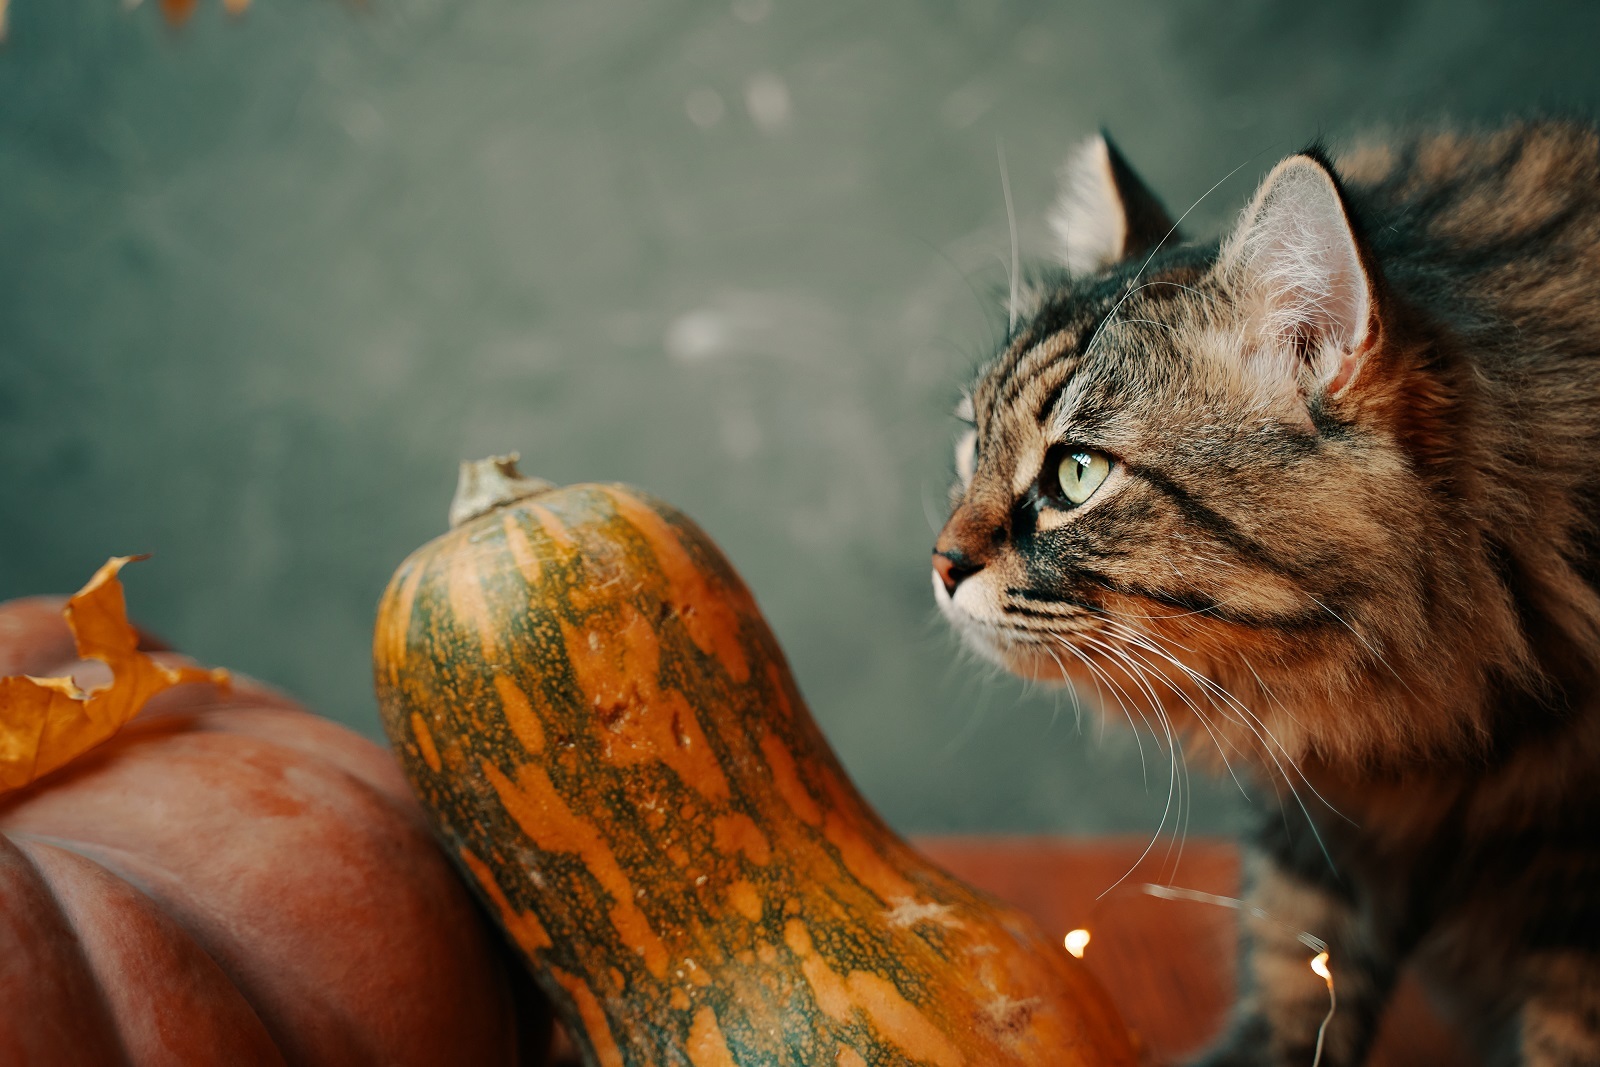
x=1105 y=214
x=1297 y=264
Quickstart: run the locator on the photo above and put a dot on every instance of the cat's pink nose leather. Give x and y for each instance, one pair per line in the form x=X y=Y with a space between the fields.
x=951 y=571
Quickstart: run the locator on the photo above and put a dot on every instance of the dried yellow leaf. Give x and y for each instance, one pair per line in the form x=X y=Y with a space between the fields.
x=46 y=723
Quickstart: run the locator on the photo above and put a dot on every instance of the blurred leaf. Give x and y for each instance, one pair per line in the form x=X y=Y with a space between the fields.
x=46 y=723
x=178 y=11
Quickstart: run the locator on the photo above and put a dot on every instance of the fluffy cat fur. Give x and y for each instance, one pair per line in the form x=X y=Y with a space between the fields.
x=1348 y=537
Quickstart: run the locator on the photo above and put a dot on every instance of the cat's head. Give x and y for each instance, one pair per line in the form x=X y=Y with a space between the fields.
x=1208 y=478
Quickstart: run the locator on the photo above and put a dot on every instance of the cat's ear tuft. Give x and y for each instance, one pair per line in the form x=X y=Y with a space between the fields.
x=1105 y=214
x=1295 y=260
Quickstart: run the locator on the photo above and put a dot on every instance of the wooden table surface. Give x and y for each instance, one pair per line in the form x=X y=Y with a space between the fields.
x=1168 y=964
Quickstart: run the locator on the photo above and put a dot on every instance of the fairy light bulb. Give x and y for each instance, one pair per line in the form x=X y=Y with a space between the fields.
x=1319 y=965
x=1076 y=941
x=1319 y=962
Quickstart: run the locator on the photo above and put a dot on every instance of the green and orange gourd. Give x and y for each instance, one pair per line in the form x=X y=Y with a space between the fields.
x=586 y=698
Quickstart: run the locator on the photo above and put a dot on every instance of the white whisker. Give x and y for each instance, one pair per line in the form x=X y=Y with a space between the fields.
x=1144 y=770
x=1171 y=772
x=1248 y=719
x=1201 y=716
x=1011 y=221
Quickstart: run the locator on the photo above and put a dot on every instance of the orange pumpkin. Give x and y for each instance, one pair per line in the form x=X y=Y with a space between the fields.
x=230 y=880
x=586 y=698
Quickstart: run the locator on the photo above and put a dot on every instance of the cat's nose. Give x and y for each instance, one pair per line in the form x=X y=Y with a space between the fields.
x=952 y=567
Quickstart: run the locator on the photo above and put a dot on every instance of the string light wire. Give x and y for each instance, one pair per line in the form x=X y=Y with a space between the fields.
x=1319 y=962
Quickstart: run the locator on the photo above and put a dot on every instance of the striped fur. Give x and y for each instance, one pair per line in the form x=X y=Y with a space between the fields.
x=1348 y=539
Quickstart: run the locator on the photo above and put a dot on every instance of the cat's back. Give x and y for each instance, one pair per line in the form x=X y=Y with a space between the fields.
x=1490 y=241
x=1508 y=218
x=1525 y=181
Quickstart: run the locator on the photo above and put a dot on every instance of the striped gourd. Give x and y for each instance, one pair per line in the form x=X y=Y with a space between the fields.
x=586 y=698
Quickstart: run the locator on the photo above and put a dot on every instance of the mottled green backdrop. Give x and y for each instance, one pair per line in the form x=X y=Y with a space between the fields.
x=263 y=282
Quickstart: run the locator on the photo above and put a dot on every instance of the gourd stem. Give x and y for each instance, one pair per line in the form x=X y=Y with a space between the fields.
x=494 y=482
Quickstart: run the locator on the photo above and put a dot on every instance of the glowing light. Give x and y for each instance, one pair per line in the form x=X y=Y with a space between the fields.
x=1077 y=941
x=1319 y=964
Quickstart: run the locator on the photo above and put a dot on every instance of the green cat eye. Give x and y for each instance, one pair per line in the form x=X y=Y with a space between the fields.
x=1080 y=473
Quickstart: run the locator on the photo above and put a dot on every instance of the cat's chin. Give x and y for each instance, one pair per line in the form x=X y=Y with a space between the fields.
x=1223 y=726
x=1025 y=659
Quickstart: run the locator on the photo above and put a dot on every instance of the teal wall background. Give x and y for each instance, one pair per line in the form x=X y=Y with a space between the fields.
x=264 y=281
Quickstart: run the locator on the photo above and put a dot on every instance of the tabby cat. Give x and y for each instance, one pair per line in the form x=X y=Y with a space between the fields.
x=1324 y=495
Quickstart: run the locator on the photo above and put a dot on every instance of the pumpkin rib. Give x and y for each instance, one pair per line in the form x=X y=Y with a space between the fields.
x=283 y=729
x=223 y=1007
x=64 y=976
x=305 y=734
x=279 y=866
x=299 y=1015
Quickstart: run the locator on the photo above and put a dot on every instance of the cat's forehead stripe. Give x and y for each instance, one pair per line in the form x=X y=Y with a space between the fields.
x=1052 y=360
x=1060 y=349
x=1052 y=387
x=1060 y=335
x=1068 y=329
x=1058 y=329
x=1038 y=388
